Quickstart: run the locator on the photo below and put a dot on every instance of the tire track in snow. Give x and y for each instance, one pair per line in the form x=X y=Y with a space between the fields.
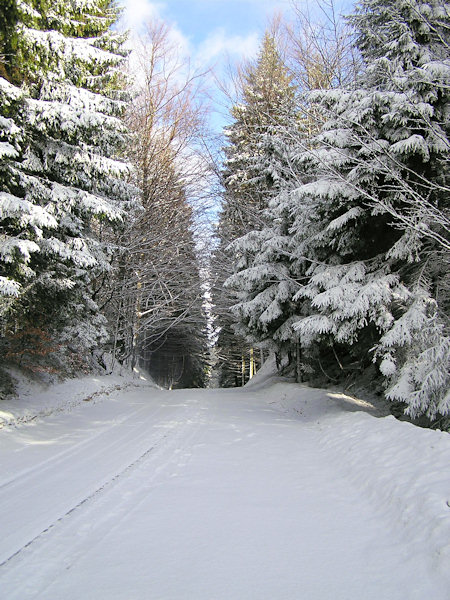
x=53 y=461
x=84 y=501
x=109 y=448
x=160 y=446
x=65 y=407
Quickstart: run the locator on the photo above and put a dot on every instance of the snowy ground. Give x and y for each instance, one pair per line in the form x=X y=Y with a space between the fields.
x=118 y=490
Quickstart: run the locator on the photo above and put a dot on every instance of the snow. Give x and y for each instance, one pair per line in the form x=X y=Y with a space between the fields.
x=6 y=150
x=26 y=212
x=112 y=488
x=9 y=287
x=9 y=248
x=353 y=213
x=37 y=399
x=80 y=48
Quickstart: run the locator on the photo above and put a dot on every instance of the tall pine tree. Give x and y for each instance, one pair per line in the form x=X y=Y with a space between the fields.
x=372 y=226
x=61 y=179
x=270 y=271
x=255 y=166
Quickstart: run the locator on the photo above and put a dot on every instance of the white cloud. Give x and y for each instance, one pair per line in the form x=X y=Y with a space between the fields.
x=219 y=43
x=137 y=12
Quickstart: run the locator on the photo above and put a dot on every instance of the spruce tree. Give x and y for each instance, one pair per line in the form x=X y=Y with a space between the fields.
x=252 y=165
x=269 y=274
x=255 y=167
x=62 y=180
x=373 y=222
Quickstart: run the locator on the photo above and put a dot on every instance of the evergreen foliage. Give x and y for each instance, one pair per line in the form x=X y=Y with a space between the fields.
x=333 y=240
x=376 y=232
x=61 y=178
x=267 y=270
x=350 y=256
x=255 y=168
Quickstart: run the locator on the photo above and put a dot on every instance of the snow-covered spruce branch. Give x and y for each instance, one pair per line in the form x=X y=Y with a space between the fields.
x=420 y=208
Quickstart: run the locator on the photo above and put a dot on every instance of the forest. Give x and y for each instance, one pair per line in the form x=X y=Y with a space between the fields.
x=315 y=228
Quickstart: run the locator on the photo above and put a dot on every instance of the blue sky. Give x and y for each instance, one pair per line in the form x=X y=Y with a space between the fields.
x=213 y=33
x=234 y=23
x=210 y=29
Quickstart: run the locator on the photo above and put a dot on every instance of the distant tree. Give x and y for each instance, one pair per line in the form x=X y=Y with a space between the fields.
x=320 y=47
x=252 y=168
x=155 y=298
x=251 y=176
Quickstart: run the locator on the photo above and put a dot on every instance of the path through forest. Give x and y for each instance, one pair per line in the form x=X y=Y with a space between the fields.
x=210 y=494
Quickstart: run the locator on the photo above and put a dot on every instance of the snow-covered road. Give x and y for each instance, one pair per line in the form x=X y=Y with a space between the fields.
x=220 y=494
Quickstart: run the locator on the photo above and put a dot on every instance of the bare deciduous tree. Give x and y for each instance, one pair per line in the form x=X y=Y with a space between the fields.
x=157 y=281
x=320 y=47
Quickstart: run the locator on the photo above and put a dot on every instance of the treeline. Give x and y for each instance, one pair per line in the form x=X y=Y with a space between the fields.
x=97 y=244
x=333 y=240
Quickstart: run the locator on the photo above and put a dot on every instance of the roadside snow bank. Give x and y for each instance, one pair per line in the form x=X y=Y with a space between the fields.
x=402 y=469
x=35 y=400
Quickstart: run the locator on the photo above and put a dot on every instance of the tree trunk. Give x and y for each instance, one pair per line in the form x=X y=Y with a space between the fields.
x=298 y=362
